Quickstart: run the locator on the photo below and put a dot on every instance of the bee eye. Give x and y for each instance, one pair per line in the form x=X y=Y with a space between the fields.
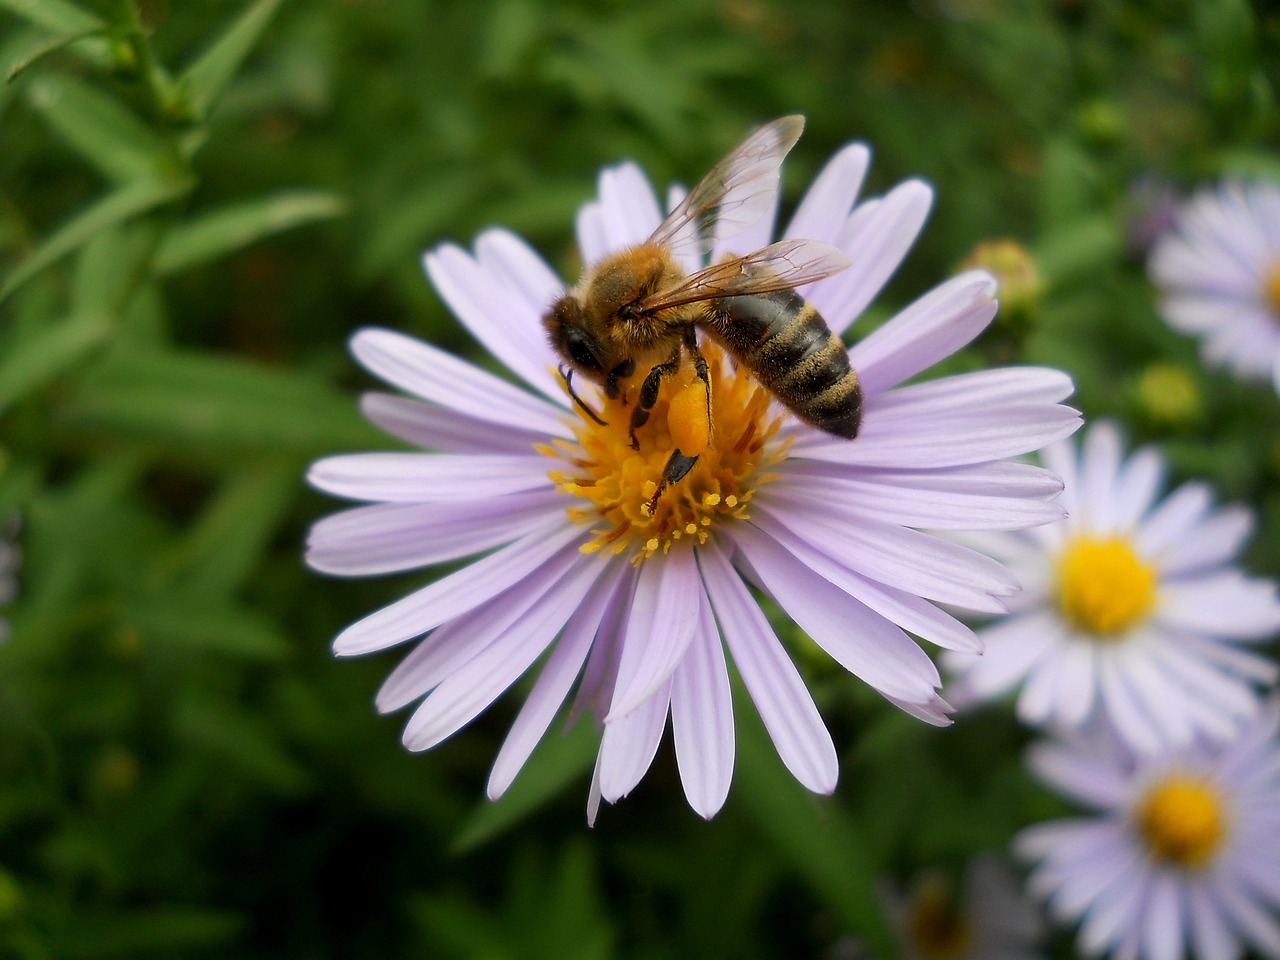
x=578 y=345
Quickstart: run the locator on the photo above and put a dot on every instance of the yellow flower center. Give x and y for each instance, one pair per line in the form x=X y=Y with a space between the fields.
x=1103 y=586
x=1271 y=290
x=1181 y=820
x=618 y=484
x=937 y=928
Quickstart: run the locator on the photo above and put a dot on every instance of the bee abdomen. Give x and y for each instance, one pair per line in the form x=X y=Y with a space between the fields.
x=783 y=339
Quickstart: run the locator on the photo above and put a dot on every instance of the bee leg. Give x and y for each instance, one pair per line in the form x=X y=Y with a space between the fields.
x=567 y=374
x=699 y=367
x=623 y=370
x=649 y=395
x=677 y=468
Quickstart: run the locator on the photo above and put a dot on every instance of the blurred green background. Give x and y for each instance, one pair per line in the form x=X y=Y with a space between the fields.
x=201 y=199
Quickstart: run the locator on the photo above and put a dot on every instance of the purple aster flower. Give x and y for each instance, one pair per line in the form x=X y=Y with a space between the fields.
x=634 y=610
x=1132 y=607
x=1182 y=856
x=987 y=918
x=1218 y=273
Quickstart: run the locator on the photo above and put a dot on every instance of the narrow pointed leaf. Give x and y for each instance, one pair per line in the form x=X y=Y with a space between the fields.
x=116 y=207
x=208 y=77
x=220 y=232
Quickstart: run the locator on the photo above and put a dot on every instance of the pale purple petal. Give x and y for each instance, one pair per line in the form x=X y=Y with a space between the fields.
x=425 y=477
x=1172 y=518
x=863 y=642
x=439 y=654
x=630 y=743
x=1012 y=648
x=877 y=242
x=702 y=718
x=661 y=625
x=479 y=681
x=776 y=688
x=947 y=439
x=930 y=329
x=907 y=610
x=389 y=537
x=629 y=209
x=555 y=681
x=1162 y=924
x=457 y=593
x=442 y=378
x=900 y=557
x=822 y=212
x=437 y=428
x=1224 y=604
x=1077 y=775
x=1214 y=541
x=507 y=327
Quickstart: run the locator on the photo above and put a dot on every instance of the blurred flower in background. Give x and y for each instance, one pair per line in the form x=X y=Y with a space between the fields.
x=1181 y=855
x=638 y=598
x=986 y=918
x=1218 y=275
x=10 y=558
x=1131 y=608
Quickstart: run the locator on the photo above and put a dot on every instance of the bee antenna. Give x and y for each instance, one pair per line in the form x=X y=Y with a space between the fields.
x=567 y=374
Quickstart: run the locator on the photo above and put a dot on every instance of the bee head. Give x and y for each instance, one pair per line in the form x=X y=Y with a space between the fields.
x=566 y=327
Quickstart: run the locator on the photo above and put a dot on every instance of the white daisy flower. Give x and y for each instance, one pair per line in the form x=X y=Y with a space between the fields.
x=1182 y=857
x=638 y=606
x=987 y=918
x=1132 y=607
x=1218 y=273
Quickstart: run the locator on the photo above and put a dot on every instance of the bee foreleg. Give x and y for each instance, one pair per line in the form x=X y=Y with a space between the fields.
x=567 y=374
x=649 y=395
x=700 y=368
x=677 y=468
x=623 y=370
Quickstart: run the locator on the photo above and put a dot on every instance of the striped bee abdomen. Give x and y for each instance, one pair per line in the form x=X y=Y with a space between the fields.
x=783 y=340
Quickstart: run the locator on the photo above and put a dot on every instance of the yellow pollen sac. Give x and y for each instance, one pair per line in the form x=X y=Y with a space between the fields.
x=1271 y=290
x=614 y=484
x=937 y=928
x=1181 y=821
x=1103 y=586
x=688 y=421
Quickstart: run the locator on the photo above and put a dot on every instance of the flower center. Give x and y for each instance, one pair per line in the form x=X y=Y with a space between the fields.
x=1181 y=820
x=1103 y=587
x=618 y=484
x=1271 y=289
x=938 y=929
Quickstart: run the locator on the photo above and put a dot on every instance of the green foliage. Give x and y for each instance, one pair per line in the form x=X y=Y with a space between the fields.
x=200 y=201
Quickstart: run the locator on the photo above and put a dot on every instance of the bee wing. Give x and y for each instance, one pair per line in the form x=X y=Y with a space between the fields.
x=734 y=194
x=779 y=266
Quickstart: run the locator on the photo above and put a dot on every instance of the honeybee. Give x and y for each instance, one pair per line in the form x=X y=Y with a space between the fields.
x=641 y=310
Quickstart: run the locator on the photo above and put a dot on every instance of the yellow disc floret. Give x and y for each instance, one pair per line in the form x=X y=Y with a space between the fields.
x=1104 y=587
x=938 y=929
x=1180 y=819
x=617 y=483
x=1271 y=290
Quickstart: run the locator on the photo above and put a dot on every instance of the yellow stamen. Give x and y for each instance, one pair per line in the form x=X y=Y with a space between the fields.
x=1271 y=290
x=1103 y=586
x=1181 y=820
x=616 y=484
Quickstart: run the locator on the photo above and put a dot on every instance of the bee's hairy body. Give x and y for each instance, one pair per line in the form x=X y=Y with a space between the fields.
x=636 y=313
x=783 y=340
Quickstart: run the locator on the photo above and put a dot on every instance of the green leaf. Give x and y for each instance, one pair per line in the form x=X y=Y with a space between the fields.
x=228 y=538
x=233 y=735
x=100 y=128
x=205 y=80
x=44 y=48
x=212 y=406
x=192 y=623
x=822 y=844
x=216 y=234
x=558 y=761
x=94 y=933
x=56 y=16
x=121 y=204
x=33 y=362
